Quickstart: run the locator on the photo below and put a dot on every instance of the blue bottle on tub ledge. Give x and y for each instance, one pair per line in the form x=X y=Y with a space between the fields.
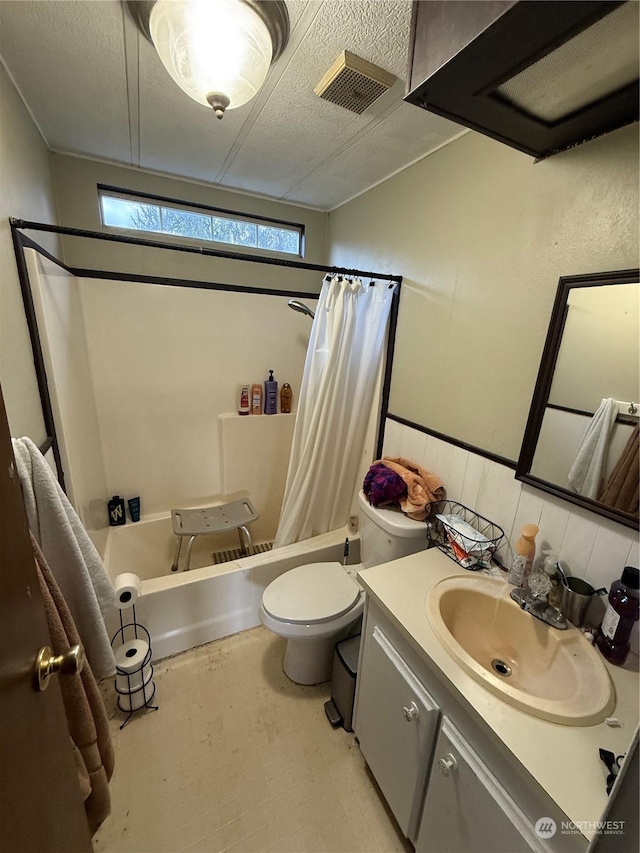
x=116 y=511
x=134 y=508
x=270 y=395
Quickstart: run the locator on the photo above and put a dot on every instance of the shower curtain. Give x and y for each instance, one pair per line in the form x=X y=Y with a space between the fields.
x=343 y=359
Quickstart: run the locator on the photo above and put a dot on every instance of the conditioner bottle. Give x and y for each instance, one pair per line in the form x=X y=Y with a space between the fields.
x=524 y=552
x=244 y=406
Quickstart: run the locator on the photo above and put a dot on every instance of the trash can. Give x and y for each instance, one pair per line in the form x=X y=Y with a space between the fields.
x=339 y=708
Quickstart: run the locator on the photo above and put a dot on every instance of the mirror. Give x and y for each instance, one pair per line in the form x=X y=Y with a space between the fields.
x=581 y=439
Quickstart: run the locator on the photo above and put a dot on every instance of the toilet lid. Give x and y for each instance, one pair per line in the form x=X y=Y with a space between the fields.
x=313 y=593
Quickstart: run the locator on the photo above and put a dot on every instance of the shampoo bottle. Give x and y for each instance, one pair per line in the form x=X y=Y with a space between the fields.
x=256 y=399
x=244 y=405
x=116 y=511
x=286 y=396
x=524 y=552
x=270 y=395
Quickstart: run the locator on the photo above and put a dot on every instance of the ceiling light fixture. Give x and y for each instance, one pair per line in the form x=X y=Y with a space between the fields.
x=217 y=51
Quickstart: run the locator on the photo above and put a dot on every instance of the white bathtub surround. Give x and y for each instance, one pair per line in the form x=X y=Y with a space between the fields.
x=254 y=454
x=186 y=609
x=590 y=547
x=343 y=358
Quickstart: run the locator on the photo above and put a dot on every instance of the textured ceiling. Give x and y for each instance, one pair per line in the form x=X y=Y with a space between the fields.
x=97 y=88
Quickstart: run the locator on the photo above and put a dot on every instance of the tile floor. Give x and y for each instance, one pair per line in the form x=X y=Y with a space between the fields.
x=240 y=759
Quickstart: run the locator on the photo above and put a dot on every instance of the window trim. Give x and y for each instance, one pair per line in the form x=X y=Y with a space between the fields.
x=193 y=207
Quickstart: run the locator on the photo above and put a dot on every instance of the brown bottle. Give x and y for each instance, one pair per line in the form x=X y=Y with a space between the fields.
x=286 y=396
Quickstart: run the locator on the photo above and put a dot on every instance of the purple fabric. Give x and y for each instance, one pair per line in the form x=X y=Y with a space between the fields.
x=383 y=486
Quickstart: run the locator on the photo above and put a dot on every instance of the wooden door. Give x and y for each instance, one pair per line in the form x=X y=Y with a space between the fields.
x=396 y=727
x=41 y=807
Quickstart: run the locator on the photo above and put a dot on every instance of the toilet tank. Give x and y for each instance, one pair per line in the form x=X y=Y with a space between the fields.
x=387 y=534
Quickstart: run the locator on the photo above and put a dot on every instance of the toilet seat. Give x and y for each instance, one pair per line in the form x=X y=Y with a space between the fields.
x=318 y=592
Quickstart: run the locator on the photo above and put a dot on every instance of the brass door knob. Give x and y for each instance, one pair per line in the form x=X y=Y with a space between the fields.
x=70 y=662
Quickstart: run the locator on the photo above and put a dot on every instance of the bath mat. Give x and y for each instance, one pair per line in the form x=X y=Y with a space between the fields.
x=236 y=554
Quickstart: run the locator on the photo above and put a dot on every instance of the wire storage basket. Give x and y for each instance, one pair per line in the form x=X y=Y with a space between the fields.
x=466 y=537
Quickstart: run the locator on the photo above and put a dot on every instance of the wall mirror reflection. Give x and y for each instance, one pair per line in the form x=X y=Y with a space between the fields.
x=581 y=440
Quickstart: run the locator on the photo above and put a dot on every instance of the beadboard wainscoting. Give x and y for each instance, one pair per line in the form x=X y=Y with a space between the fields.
x=590 y=547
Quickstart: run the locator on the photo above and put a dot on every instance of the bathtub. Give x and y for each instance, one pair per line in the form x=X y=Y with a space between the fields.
x=182 y=610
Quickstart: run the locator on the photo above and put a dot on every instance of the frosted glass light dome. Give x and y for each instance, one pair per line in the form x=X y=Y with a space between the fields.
x=217 y=51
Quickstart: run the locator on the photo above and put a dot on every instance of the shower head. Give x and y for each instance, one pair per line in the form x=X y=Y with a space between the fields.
x=301 y=307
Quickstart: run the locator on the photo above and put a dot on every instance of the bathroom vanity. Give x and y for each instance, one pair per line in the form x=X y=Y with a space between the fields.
x=460 y=768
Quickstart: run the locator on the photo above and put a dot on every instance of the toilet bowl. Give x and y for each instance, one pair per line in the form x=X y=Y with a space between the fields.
x=315 y=606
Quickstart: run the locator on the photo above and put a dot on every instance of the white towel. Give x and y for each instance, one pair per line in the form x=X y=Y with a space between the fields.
x=70 y=553
x=586 y=472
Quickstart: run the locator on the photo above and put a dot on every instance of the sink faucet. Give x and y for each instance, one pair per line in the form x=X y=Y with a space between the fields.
x=537 y=606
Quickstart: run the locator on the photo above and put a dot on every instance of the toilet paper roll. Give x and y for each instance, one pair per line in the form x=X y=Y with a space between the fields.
x=128 y=588
x=130 y=683
x=131 y=656
x=136 y=700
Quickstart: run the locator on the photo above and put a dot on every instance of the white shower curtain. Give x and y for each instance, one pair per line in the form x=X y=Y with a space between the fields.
x=338 y=384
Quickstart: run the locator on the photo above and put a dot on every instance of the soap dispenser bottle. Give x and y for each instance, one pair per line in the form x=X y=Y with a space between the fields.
x=270 y=395
x=523 y=555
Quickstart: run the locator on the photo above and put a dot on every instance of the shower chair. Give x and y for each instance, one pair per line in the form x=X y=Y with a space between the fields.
x=213 y=519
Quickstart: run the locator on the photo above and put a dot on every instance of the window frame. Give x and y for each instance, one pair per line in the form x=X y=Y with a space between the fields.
x=106 y=190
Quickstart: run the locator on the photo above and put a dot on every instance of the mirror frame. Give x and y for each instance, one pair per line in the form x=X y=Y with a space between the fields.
x=543 y=389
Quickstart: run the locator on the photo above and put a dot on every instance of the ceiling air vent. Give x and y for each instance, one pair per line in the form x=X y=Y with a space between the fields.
x=353 y=83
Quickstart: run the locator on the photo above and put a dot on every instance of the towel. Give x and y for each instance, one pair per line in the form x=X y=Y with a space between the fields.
x=621 y=489
x=86 y=714
x=423 y=488
x=586 y=472
x=383 y=486
x=69 y=552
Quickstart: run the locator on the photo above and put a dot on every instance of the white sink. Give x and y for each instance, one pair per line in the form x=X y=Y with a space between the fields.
x=549 y=673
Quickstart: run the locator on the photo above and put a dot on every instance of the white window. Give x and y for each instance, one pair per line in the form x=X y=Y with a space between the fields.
x=206 y=225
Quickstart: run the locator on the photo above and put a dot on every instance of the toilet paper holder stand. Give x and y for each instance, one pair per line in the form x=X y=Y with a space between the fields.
x=146 y=689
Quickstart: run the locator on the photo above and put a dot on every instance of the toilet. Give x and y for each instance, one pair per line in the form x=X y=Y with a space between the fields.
x=315 y=606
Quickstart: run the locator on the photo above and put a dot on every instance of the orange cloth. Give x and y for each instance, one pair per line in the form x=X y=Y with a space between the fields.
x=423 y=488
x=86 y=714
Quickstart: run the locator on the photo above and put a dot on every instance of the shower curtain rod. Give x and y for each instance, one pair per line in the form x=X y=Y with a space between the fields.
x=25 y=225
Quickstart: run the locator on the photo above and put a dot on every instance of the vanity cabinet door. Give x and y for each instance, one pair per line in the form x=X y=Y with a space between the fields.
x=466 y=808
x=396 y=726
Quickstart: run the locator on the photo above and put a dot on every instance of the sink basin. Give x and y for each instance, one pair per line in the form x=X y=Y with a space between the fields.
x=553 y=674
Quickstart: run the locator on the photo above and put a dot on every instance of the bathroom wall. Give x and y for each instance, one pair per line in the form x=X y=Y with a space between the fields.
x=560 y=437
x=598 y=355
x=62 y=336
x=481 y=234
x=26 y=191
x=591 y=547
x=165 y=363
x=76 y=182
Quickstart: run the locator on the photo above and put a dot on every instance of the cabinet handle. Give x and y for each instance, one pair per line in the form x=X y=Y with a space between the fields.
x=411 y=713
x=447 y=764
